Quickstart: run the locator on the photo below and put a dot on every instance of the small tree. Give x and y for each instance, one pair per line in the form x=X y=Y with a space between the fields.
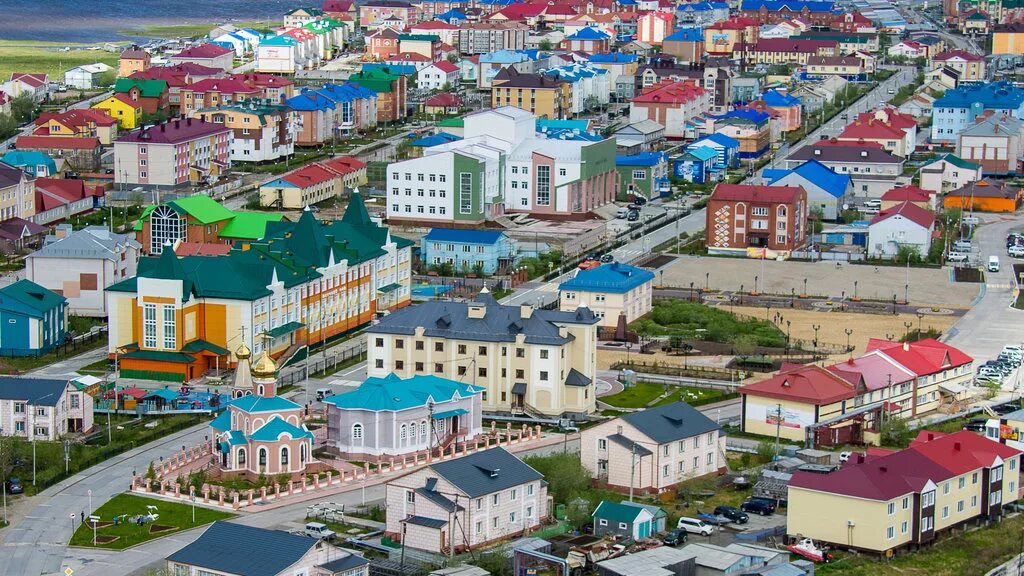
x=544 y=44
x=766 y=450
x=896 y=432
x=478 y=269
x=23 y=108
x=907 y=253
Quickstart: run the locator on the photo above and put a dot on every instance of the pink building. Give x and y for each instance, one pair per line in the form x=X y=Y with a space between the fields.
x=653 y=27
x=173 y=153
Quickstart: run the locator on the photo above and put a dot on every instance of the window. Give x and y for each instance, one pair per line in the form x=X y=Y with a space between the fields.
x=438 y=346
x=543 y=185
x=379 y=343
x=410 y=497
x=378 y=363
x=149 y=325
x=759 y=210
x=357 y=431
x=19 y=408
x=284 y=455
x=561 y=171
x=997 y=474
x=963 y=482
x=513 y=494
x=974 y=478
x=529 y=512
x=438 y=367
x=170 y=334
x=462 y=348
x=544 y=354
x=639 y=175
x=890 y=533
x=520 y=353
x=399 y=343
x=494 y=500
x=945 y=487
x=399 y=365
x=481 y=372
x=974 y=501
x=520 y=373
x=602 y=444
x=494 y=522
x=465 y=193
x=479 y=526
x=74 y=401
x=906 y=502
x=481 y=350
x=960 y=506
x=903 y=527
x=891 y=509
x=602 y=522
x=945 y=512
x=529 y=489
x=928 y=499
x=664 y=450
x=166 y=227
x=543 y=375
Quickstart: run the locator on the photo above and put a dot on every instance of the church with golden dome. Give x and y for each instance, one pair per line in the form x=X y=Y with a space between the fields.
x=260 y=432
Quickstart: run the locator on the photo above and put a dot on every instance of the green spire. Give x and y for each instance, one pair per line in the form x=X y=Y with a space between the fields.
x=355 y=213
x=168 y=267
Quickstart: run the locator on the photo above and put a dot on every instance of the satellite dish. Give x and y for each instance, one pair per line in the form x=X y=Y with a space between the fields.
x=846 y=206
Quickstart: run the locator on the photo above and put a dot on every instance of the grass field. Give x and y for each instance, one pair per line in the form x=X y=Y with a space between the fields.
x=643 y=393
x=25 y=56
x=187 y=30
x=976 y=552
x=174 y=517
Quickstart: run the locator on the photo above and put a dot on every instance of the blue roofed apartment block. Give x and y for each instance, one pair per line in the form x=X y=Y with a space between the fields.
x=477 y=251
x=617 y=293
x=33 y=320
x=644 y=174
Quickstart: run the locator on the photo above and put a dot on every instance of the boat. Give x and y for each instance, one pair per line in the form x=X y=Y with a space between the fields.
x=807 y=549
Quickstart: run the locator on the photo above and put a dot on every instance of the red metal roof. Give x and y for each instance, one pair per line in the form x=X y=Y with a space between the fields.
x=753 y=193
x=907 y=194
x=31 y=79
x=223 y=86
x=343 y=164
x=203 y=51
x=308 y=176
x=923 y=357
x=78 y=117
x=908 y=210
x=669 y=92
x=433 y=25
x=174 y=131
x=812 y=384
x=56 y=143
x=446 y=66
x=875 y=370
x=950 y=54
x=870 y=129
x=446 y=99
x=789 y=45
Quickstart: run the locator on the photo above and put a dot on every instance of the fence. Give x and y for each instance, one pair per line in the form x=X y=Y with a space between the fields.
x=317 y=363
x=69 y=347
x=710 y=384
x=681 y=373
x=814 y=255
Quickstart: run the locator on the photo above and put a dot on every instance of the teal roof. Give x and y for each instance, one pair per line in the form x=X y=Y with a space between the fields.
x=703 y=153
x=164 y=393
x=203 y=346
x=237 y=438
x=617 y=512
x=32 y=295
x=275 y=427
x=222 y=422
x=394 y=393
x=252 y=404
x=285 y=329
x=449 y=413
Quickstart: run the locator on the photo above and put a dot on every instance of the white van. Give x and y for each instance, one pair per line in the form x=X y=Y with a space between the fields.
x=319 y=531
x=322 y=393
x=993 y=263
x=694 y=526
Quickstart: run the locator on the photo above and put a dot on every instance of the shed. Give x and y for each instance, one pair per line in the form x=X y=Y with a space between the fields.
x=623 y=520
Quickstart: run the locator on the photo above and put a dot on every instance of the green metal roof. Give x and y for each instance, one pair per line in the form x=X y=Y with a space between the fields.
x=203 y=208
x=159 y=356
x=273 y=429
x=249 y=225
x=452 y=122
x=285 y=329
x=376 y=79
x=389 y=288
x=956 y=161
x=393 y=393
x=142 y=217
x=147 y=88
x=33 y=296
x=421 y=37
x=203 y=346
x=449 y=413
x=617 y=512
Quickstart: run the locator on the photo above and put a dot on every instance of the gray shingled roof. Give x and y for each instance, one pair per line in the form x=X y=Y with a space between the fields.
x=244 y=550
x=94 y=242
x=34 y=391
x=839 y=153
x=500 y=323
x=486 y=472
x=344 y=563
x=426 y=522
x=629 y=445
x=577 y=378
x=671 y=422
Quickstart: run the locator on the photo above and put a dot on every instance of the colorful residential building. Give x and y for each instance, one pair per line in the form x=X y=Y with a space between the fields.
x=260 y=132
x=313 y=183
x=727 y=150
x=539 y=94
x=654 y=27
x=788 y=107
x=996 y=142
x=1008 y=38
x=35 y=320
x=45 y=409
x=616 y=63
x=671 y=104
x=848 y=68
x=476 y=251
x=302 y=283
x=881 y=132
x=686 y=44
x=725 y=37
x=970 y=66
x=653 y=450
x=332 y=112
x=827 y=190
x=750 y=127
x=390 y=89
x=212 y=92
x=874 y=170
x=816 y=12
x=125 y=111
x=959 y=107
x=985 y=195
x=540 y=361
x=588 y=39
x=617 y=293
x=438 y=76
x=173 y=153
x=279 y=55
x=885 y=501
x=948 y=172
x=905 y=226
x=78 y=123
x=696 y=165
x=132 y=60
x=756 y=221
x=485 y=37
x=152 y=96
x=197 y=219
x=644 y=174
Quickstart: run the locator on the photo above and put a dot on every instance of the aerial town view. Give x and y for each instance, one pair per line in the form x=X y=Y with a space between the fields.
x=512 y=288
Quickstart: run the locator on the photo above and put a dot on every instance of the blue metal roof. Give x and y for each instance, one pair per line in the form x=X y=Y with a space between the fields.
x=275 y=427
x=614 y=277
x=588 y=33
x=434 y=140
x=450 y=15
x=449 y=413
x=34 y=391
x=464 y=236
x=755 y=116
x=222 y=423
x=642 y=159
x=392 y=393
x=612 y=58
x=995 y=95
x=703 y=153
x=816 y=173
x=702 y=6
x=778 y=99
x=717 y=138
x=556 y=124
x=695 y=34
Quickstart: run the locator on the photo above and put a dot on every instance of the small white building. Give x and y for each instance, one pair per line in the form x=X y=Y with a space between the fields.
x=43 y=409
x=611 y=291
x=85 y=76
x=438 y=75
x=948 y=172
x=903 y=225
x=80 y=265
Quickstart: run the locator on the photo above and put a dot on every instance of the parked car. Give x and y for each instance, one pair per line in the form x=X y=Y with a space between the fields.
x=975 y=425
x=675 y=537
x=695 y=526
x=607 y=258
x=633 y=216
x=845 y=456
x=962 y=245
x=319 y=531
x=1004 y=409
x=956 y=257
x=14 y=485
x=755 y=506
x=732 y=513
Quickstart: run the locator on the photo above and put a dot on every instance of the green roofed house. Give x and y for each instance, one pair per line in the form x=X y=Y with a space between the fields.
x=152 y=95
x=33 y=320
x=948 y=172
x=625 y=520
x=299 y=283
x=396 y=416
x=390 y=89
x=198 y=219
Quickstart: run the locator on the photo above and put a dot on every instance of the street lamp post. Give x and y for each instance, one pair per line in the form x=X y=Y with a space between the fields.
x=908 y=326
x=805 y=288
x=855 y=298
x=788 y=322
x=691 y=292
x=741 y=294
x=754 y=292
x=920 y=316
x=815 y=327
x=848 y=332
x=707 y=281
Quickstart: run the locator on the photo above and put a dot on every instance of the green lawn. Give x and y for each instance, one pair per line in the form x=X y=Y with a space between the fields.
x=30 y=56
x=174 y=517
x=187 y=30
x=636 y=396
x=976 y=552
x=692 y=396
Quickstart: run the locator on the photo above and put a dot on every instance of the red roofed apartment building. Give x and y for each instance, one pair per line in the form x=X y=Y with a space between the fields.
x=209 y=55
x=671 y=104
x=913 y=194
x=174 y=153
x=313 y=183
x=652 y=27
x=882 y=502
x=846 y=402
x=756 y=221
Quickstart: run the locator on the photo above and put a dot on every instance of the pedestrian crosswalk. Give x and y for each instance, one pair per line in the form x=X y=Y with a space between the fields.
x=999 y=286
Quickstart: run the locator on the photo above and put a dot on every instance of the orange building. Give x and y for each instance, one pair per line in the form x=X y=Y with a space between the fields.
x=302 y=283
x=985 y=195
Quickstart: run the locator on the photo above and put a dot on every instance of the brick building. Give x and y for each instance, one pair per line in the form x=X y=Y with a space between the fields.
x=741 y=217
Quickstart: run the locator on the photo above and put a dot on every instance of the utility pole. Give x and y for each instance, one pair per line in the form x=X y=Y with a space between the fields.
x=778 y=427
x=632 y=470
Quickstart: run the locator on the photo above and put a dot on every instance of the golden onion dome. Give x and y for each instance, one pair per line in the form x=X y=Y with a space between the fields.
x=243 y=352
x=264 y=367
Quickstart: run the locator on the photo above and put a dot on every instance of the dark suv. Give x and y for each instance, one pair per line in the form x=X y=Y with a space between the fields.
x=732 y=513
x=758 y=506
x=675 y=537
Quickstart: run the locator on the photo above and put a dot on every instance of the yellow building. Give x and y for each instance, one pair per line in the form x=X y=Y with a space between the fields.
x=528 y=361
x=543 y=96
x=121 y=108
x=78 y=123
x=612 y=291
x=884 y=501
x=303 y=283
x=1008 y=39
x=844 y=66
x=970 y=66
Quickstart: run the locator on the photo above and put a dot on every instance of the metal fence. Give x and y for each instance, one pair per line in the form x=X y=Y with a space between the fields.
x=69 y=347
x=722 y=385
x=318 y=362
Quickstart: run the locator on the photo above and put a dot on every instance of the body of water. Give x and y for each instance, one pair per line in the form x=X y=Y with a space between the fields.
x=104 y=20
